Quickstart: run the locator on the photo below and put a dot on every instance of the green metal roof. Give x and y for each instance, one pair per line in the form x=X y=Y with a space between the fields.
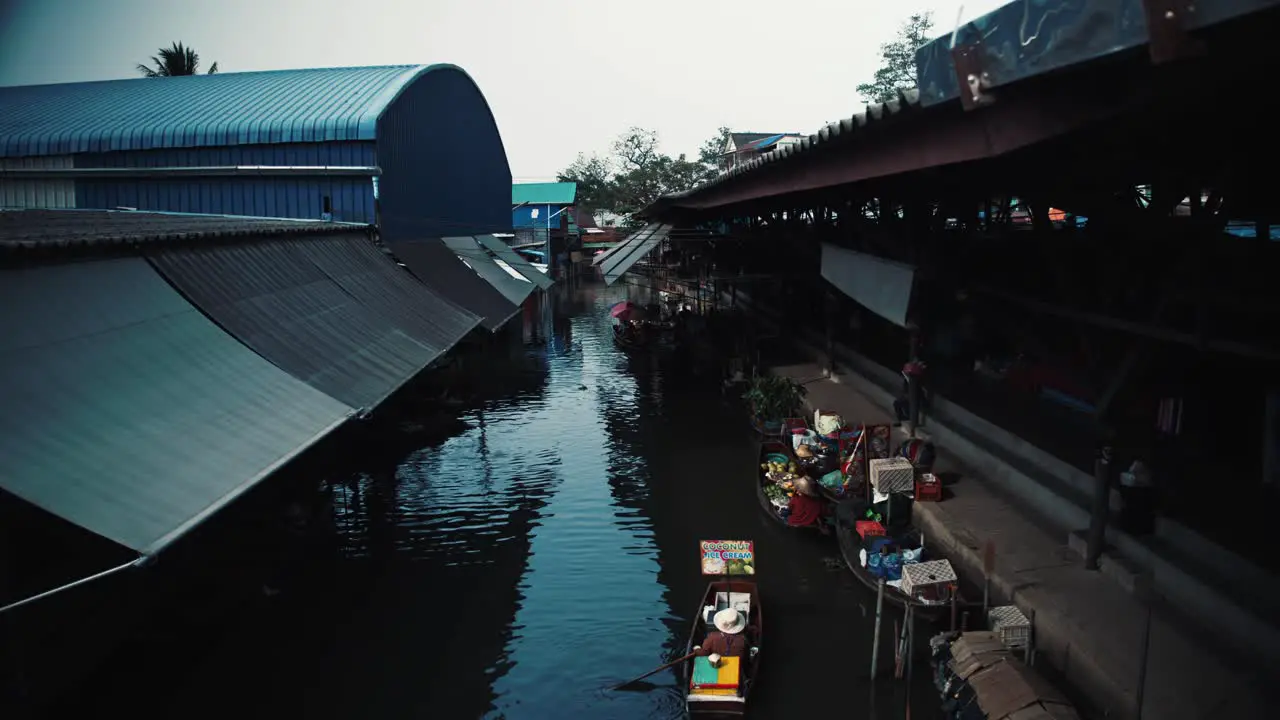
x=544 y=193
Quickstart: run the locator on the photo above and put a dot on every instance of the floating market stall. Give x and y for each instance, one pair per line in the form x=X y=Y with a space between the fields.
x=784 y=493
x=718 y=684
x=639 y=328
x=874 y=491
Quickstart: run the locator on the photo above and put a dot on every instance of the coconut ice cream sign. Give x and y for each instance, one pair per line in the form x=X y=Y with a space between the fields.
x=728 y=557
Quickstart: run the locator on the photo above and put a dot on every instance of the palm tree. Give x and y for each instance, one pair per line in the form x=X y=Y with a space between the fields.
x=174 y=61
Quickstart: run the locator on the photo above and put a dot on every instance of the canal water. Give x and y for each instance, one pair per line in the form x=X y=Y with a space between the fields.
x=540 y=549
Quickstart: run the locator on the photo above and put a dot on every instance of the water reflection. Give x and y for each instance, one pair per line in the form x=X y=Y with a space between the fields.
x=589 y=602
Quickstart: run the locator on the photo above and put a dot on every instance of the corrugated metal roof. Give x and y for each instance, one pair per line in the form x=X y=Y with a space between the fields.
x=503 y=252
x=762 y=143
x=368 y=275
x=514 y=289
x=53 y=229
x=616 y=262
x=1010 y=52
x=558 y=193
x=280 y=106
x=131 y=414
x=837 y=133
x=307 y=306
x=743 y=139
x=442 y=271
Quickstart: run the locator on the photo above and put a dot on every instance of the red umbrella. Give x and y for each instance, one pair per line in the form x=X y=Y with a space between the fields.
x=625 y=310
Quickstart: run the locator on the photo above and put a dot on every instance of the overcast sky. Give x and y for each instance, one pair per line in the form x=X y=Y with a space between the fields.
x=562 y=76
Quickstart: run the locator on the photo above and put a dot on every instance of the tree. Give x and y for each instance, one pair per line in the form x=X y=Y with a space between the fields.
x=638 y=172
x=636 y=149
x=712 y=152
x=645 y=174
x=898 y=71
x=174 y=61
x=594 y=178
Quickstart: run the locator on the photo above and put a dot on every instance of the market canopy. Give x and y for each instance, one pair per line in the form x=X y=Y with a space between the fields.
x=130 y=413
x=882 y=286
x=512 y=286
x=503 y=252
x=444 y=272
x=615 y=262
x=332 y=310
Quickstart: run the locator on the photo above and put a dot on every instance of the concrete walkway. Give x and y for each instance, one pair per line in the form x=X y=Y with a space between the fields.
x=1086 y=626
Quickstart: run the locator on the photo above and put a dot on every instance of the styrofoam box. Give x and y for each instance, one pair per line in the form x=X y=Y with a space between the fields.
x=933 y=572
x=1010 y=624
x=890 y=475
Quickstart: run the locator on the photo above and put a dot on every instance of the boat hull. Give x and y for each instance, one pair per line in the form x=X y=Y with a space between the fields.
x=727 y=706
x=769 y=447
x=849 y=550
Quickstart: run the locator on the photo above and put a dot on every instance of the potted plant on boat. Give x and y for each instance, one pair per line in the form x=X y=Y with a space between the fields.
x=772 y=398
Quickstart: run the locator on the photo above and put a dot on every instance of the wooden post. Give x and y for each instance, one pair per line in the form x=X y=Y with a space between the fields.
x=1101 y=507
x=897 y=651
x=911 y=642
x=1145 y=594
x=875 y=642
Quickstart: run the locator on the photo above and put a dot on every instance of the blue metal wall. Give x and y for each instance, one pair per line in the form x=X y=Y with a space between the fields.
x=351 y=198
x=522 y=217
x=444 y=169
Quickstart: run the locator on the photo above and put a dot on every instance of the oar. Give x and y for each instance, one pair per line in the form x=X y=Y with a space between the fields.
x=655 y=670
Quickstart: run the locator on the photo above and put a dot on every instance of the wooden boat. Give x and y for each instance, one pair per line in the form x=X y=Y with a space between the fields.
x=713 y=699
x=621 y=339
x=850 y=549
x=655 y=338
x=767 y=448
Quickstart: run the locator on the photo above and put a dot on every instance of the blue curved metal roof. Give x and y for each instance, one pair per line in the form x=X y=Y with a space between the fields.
x=279 y=106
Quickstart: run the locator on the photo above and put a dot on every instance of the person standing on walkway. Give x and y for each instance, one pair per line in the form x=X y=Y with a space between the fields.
x=913 y=371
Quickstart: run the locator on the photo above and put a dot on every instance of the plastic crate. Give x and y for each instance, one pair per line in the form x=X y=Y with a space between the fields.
x=890 y=475
x=1008 y=622
x=869 y=528
x=928 y=488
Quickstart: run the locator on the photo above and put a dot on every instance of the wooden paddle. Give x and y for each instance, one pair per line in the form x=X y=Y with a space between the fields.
x=655 y=670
